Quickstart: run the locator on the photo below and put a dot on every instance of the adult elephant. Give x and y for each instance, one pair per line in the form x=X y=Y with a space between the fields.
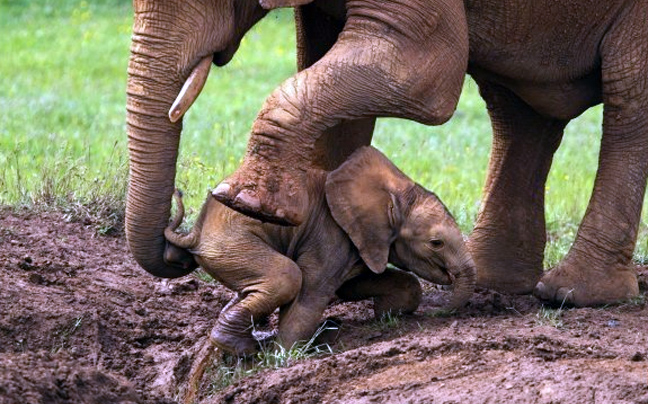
x=538 y=65
x=174 y=44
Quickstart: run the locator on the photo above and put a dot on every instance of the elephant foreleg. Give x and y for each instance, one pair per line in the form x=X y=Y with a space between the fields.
x=392 y=291
x=411 y=67
x=598 y=268
x=507 y=243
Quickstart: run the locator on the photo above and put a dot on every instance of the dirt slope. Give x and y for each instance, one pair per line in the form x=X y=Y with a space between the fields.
x=80 y=322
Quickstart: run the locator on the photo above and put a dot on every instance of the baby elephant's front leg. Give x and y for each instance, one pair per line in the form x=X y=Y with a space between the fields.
x=392 y=291
x=266 y=284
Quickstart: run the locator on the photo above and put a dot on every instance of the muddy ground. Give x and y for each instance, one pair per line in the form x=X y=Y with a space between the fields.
x=80 y=322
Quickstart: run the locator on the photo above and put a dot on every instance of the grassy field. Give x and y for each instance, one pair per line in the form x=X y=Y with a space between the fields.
x=62 y=126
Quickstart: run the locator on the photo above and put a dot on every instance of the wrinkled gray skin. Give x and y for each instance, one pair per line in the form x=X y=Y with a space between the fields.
x=365 y=214
x=538 y=65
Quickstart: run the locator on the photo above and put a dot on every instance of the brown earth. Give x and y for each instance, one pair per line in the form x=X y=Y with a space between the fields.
x=80 y=322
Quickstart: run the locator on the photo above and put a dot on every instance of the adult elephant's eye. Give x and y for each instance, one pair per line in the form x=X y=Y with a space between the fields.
x=436 y=244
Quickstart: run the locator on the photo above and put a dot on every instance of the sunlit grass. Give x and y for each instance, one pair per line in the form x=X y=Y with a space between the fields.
x=272 y=356
x=63 y=136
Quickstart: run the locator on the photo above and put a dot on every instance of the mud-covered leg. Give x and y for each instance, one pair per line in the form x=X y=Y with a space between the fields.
x=361 y=76
x=507 y=243
x=392 y=291
x=264 y=280
x=316 y=34
x=598 y=269
x=284 y=200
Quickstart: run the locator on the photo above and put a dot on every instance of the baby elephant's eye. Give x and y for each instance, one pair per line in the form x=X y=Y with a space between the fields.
x=436 y=244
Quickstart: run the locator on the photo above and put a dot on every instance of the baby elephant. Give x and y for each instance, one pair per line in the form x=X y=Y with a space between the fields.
x=365 y=214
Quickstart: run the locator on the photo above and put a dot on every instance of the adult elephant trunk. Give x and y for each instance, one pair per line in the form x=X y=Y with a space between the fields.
x=153 y=140
x=174 y=42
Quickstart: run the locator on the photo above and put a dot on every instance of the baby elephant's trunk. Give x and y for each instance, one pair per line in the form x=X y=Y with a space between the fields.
x=464 y=281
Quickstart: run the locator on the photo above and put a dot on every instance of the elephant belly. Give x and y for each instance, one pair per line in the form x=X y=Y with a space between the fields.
x=563 y=100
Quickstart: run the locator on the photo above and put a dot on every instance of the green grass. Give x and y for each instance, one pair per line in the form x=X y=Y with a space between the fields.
x=231 y=369
x=550 y=317
x=388 y=321
x=62 y=126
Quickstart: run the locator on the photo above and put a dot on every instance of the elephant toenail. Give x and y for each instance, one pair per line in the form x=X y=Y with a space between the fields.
x=248 y=199
x=540 y=290
x=222 y=190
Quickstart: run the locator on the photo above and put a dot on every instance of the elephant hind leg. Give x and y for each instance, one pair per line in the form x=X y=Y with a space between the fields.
x=265 y=281
x=393 y=291
x=598 y=268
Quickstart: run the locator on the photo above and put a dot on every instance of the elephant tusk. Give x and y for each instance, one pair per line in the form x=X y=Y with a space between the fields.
x=191 y=89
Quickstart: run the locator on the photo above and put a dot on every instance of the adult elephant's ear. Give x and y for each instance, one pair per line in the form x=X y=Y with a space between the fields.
x=271 y=4
x=364 y=196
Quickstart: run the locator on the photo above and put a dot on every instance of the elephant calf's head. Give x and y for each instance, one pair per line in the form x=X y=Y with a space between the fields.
x=390 y=218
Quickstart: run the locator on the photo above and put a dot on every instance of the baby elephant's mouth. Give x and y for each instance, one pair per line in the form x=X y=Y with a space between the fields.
x=443 y=274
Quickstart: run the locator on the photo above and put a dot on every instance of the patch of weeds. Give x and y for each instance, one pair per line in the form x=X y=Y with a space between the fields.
x=85 y=194
x=641 y=259
x=271 y=356
x=64 y=335
x=441 y=313
x=203 y=276
x=640 y=300
x=550 y=317
x=387 y=321
x=105 y=215
x=230 y=370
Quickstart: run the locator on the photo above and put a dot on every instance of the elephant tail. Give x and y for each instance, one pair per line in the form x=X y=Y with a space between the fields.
x=186 y=241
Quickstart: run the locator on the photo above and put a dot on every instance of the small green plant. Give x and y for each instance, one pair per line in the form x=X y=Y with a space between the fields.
x=228 y=371
x=552 y=317
x=388 y=321
x=203 y=276
x=271 y=356
x=64 y=335
x=639 y=300
x=441 y=313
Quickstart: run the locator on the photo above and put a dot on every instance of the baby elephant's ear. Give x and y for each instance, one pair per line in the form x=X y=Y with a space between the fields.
x=271 y=4
x=362 y=195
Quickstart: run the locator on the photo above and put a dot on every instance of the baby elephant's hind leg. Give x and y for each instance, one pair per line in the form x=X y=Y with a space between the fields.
x=392 y=291
x=268 y=282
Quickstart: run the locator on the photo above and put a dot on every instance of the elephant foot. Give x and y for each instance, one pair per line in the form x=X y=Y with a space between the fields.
x=504 y=271
x=233 y=330
x=240 y=345
x=581 y=283
x=400 y=301
x=271 y=194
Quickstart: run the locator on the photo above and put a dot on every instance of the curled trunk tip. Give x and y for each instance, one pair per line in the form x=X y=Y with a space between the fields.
x=464 y=285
